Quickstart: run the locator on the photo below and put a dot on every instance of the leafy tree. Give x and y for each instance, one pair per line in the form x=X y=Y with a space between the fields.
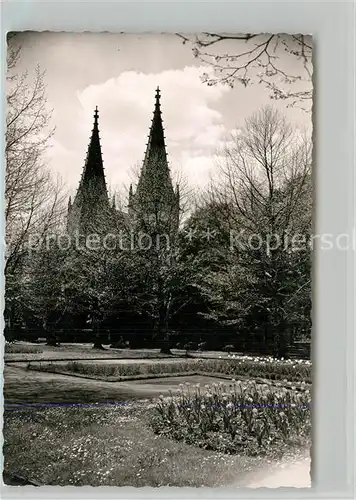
x=43 y=287
x=96 y=277
x=261 y=284
x=267 y=175
x=154 y=219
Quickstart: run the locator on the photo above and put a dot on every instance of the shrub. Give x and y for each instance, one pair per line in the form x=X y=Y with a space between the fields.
x=241 y=418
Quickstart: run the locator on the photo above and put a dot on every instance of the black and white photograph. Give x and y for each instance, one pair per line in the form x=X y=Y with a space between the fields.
x=158 y=263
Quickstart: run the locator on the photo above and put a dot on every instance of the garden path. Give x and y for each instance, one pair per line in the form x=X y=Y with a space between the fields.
x=291 y=473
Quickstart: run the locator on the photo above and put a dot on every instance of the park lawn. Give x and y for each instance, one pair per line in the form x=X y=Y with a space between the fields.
x=33 y=387
x=112 y=446
x=104 y=445
x=101 y=445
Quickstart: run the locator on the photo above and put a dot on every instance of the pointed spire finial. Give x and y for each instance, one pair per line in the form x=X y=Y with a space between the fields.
x=156 y=140
x=158 y=97
x=93 y=167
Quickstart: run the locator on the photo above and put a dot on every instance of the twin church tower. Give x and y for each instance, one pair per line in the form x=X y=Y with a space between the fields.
x=152 y=206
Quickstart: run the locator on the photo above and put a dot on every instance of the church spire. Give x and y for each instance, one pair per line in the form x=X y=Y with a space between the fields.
x=156 y=146
x=93 y=173
x=92 y=196
x=155 y=165
x=155 y=197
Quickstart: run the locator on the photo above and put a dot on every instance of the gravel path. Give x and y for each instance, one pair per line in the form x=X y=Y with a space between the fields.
x=290 y=473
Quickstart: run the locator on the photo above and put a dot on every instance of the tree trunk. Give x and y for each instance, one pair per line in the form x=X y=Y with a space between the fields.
x=165 y=346
x=163 y=333
x=51 y=339
x=98 y=345
x=283 y=343
x=97 y=341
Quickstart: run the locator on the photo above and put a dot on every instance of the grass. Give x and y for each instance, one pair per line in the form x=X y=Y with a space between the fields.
x=22 y=349
x=243 y=418
x=109 y=446
x=266 y=368
x=105 y=445
x=23 y=387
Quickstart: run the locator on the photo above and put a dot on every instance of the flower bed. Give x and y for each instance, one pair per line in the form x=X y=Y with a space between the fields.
x=264 y=368
x=242 y=419
x=270 y=368
x=114 y=370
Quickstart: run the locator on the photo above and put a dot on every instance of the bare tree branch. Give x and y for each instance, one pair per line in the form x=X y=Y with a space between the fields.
x=258 y=58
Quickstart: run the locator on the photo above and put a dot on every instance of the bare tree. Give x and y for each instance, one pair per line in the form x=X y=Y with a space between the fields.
x=265 y=194
x=33 y=199
x=263 y=160
x=258 y=58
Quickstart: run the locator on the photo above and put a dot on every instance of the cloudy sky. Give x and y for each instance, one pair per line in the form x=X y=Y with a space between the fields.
x=119 y=74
